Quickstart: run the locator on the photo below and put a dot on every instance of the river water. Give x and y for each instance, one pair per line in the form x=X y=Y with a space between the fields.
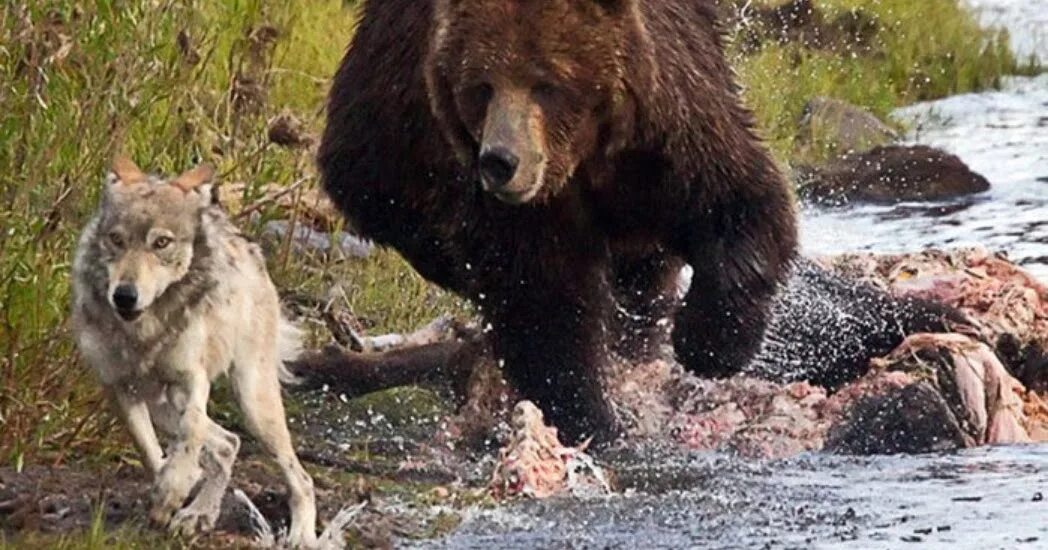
x=980 y=498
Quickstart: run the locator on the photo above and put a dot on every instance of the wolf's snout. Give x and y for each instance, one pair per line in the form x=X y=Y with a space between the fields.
x=497 y=167
x=125 y=298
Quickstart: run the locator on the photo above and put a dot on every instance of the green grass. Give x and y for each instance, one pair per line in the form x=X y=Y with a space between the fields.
x=80 y=79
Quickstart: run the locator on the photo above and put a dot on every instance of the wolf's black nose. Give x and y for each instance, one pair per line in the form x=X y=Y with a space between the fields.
x=125 y=297
x=497 y=166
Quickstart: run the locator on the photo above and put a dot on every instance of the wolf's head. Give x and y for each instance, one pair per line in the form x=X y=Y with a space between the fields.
x=147 y=231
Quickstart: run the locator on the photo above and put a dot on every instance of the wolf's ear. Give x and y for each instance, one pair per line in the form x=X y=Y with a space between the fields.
x=194 y=178
x=125 y=170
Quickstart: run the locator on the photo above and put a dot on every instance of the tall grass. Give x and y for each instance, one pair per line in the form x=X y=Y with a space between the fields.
x=97 y=537
x=172 y=82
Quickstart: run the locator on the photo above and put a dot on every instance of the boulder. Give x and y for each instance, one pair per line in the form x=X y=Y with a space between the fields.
x=890 y=174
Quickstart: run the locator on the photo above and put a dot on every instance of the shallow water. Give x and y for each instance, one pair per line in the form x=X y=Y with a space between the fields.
x=1025 y=20
x=983 y=498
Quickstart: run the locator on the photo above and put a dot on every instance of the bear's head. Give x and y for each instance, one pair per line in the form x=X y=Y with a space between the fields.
x=527 y=90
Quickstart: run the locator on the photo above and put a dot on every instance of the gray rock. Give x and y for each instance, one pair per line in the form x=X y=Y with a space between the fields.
x=835 y=126
x=307 y=239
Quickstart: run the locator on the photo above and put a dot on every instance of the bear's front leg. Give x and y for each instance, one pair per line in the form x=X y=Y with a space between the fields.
x=739 y=253
x=551 y=336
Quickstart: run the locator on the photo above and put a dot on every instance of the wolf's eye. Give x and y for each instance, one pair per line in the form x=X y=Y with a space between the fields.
x=161 y=243
x=116 y=239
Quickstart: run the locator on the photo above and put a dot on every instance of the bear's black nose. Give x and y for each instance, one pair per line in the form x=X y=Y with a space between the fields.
x=497 y=166
x=125 y=297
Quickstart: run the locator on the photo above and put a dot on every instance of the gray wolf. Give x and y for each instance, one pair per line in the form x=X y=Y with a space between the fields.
x=168 y=296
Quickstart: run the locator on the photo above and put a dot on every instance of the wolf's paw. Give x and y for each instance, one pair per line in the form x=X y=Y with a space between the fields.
x=160 y=513
x=172 y=486
x=190 y=521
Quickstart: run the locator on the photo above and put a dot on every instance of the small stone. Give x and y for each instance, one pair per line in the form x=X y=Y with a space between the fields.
x=841 y=127
x=287 y=130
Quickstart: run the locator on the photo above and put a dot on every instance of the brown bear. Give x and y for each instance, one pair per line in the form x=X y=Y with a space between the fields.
x=558 y=162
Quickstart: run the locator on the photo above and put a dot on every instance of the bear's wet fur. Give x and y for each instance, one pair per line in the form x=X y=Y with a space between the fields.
x=643 y=160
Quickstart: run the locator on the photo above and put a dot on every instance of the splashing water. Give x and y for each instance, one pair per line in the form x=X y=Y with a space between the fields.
x=993 y=497
x=331 y=539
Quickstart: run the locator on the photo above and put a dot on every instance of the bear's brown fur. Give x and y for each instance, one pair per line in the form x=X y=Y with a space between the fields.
x=557 y=162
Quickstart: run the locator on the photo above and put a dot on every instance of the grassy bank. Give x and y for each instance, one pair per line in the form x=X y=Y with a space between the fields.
x=172 y=82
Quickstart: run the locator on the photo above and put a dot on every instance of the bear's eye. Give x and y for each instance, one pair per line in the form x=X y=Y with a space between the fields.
x=479 y=94
x=544 y=92
x=161 y=243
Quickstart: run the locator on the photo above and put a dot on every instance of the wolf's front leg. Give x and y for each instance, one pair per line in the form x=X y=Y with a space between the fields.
x=216 y=460
x=182 y=469
x=134 y=413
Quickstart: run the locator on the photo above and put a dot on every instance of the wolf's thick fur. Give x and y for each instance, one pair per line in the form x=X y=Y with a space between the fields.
x=167 y=296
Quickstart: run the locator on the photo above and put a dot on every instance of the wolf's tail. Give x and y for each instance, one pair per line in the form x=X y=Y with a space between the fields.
x=289 y=346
